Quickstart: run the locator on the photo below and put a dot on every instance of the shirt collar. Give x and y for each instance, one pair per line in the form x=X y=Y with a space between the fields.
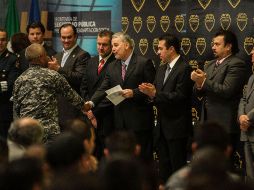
x=106 y=58
x=221 y=60
x=127 y=61
x=70 y=50
x=173 y=62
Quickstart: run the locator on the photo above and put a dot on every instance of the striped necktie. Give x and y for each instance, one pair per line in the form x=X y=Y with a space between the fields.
x=100 y=66
x=123 y=70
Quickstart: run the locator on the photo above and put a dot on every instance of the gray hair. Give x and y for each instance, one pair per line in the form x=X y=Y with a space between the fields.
x=34 y=51
x=25 y=131
x=125 y=38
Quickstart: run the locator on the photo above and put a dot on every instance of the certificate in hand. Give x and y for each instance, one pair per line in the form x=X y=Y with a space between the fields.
x=115 y=94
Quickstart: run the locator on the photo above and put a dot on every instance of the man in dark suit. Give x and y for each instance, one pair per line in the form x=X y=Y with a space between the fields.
x=71 y=63
x=8 y=75
x=129 y=70
x=171 y=93
x=102 y=116
x=35 y=32
x=246 y=119
x=221 y=84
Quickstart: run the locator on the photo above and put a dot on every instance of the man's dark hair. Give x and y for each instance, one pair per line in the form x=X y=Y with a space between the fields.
x=22 y=174
x=171 y=40
x=80 y=128
x=211 y=134
x=19 y=42
x=36 y=24
x=65 y=151
x=229 y=38
x=121 y=142
x=67 y=25
x=104 y=33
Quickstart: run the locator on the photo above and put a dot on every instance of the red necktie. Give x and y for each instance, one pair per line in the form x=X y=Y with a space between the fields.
x=102 y=62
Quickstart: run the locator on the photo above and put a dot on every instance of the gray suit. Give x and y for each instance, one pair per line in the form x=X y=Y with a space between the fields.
x=246 y=107
x=222 y=91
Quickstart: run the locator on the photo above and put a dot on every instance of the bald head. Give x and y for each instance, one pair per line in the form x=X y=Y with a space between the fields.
x=26 y=131
x=36 y=55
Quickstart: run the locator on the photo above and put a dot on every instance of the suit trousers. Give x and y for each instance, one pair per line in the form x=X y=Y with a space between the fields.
x=172 y=156
x=249 y=159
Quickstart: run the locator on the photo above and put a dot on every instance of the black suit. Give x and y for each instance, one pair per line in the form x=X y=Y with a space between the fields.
x=8 y=72
x=104 y=111
x=173 y=101
x=73 y=70
x=134 y=114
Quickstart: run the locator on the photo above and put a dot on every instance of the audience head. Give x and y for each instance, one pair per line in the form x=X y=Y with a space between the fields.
x=85 y=132
x=25 y=132
x=211 y=134
x=23 y=174
x=68 y=35
x=65 y=152
x=127 y=174
x=209 y=171
x=122 y=45
x=75 y=181
x=224 y=44
x=35 y=32
x=36 y=55
x=3 y=40
x=121 y=144
x=19 y=42
x=104 y=46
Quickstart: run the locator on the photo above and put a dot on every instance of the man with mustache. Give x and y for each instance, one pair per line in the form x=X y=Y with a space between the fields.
x=221 y=84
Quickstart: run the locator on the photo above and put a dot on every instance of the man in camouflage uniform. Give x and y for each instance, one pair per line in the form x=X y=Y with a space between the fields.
x=35 y=92
x=8 y=74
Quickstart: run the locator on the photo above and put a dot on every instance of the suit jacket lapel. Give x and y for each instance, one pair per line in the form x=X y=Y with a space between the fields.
x=250 y=88
x=70 y=60
x=118 y=70
x=172 y=70
x=161 y=76
x=212 y=67
x=131 y=66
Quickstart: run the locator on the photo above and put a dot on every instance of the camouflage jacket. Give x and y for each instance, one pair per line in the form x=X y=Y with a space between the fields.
x=35 y=95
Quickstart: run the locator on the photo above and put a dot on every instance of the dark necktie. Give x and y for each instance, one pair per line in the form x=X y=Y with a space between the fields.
x=123 y=70
x=100 y=66
x=216 y=65
x=167 y=73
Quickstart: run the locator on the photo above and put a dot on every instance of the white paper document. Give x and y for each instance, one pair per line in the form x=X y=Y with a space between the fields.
x=114 y=94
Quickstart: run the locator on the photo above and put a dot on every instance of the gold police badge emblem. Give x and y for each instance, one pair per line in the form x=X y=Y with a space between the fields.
x=150 y=23
x=163 y=4
x=164 y=22
x=225 y=21
x=185 y=45
x=179 y=22
x=201 y=45
x=138 y=4
x=143 y=45
x=241 y=21
x=125 y=24
x=209 y=22
x=137 y=23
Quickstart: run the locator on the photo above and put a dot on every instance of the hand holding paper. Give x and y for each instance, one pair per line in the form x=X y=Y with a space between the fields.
x=115 y=94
